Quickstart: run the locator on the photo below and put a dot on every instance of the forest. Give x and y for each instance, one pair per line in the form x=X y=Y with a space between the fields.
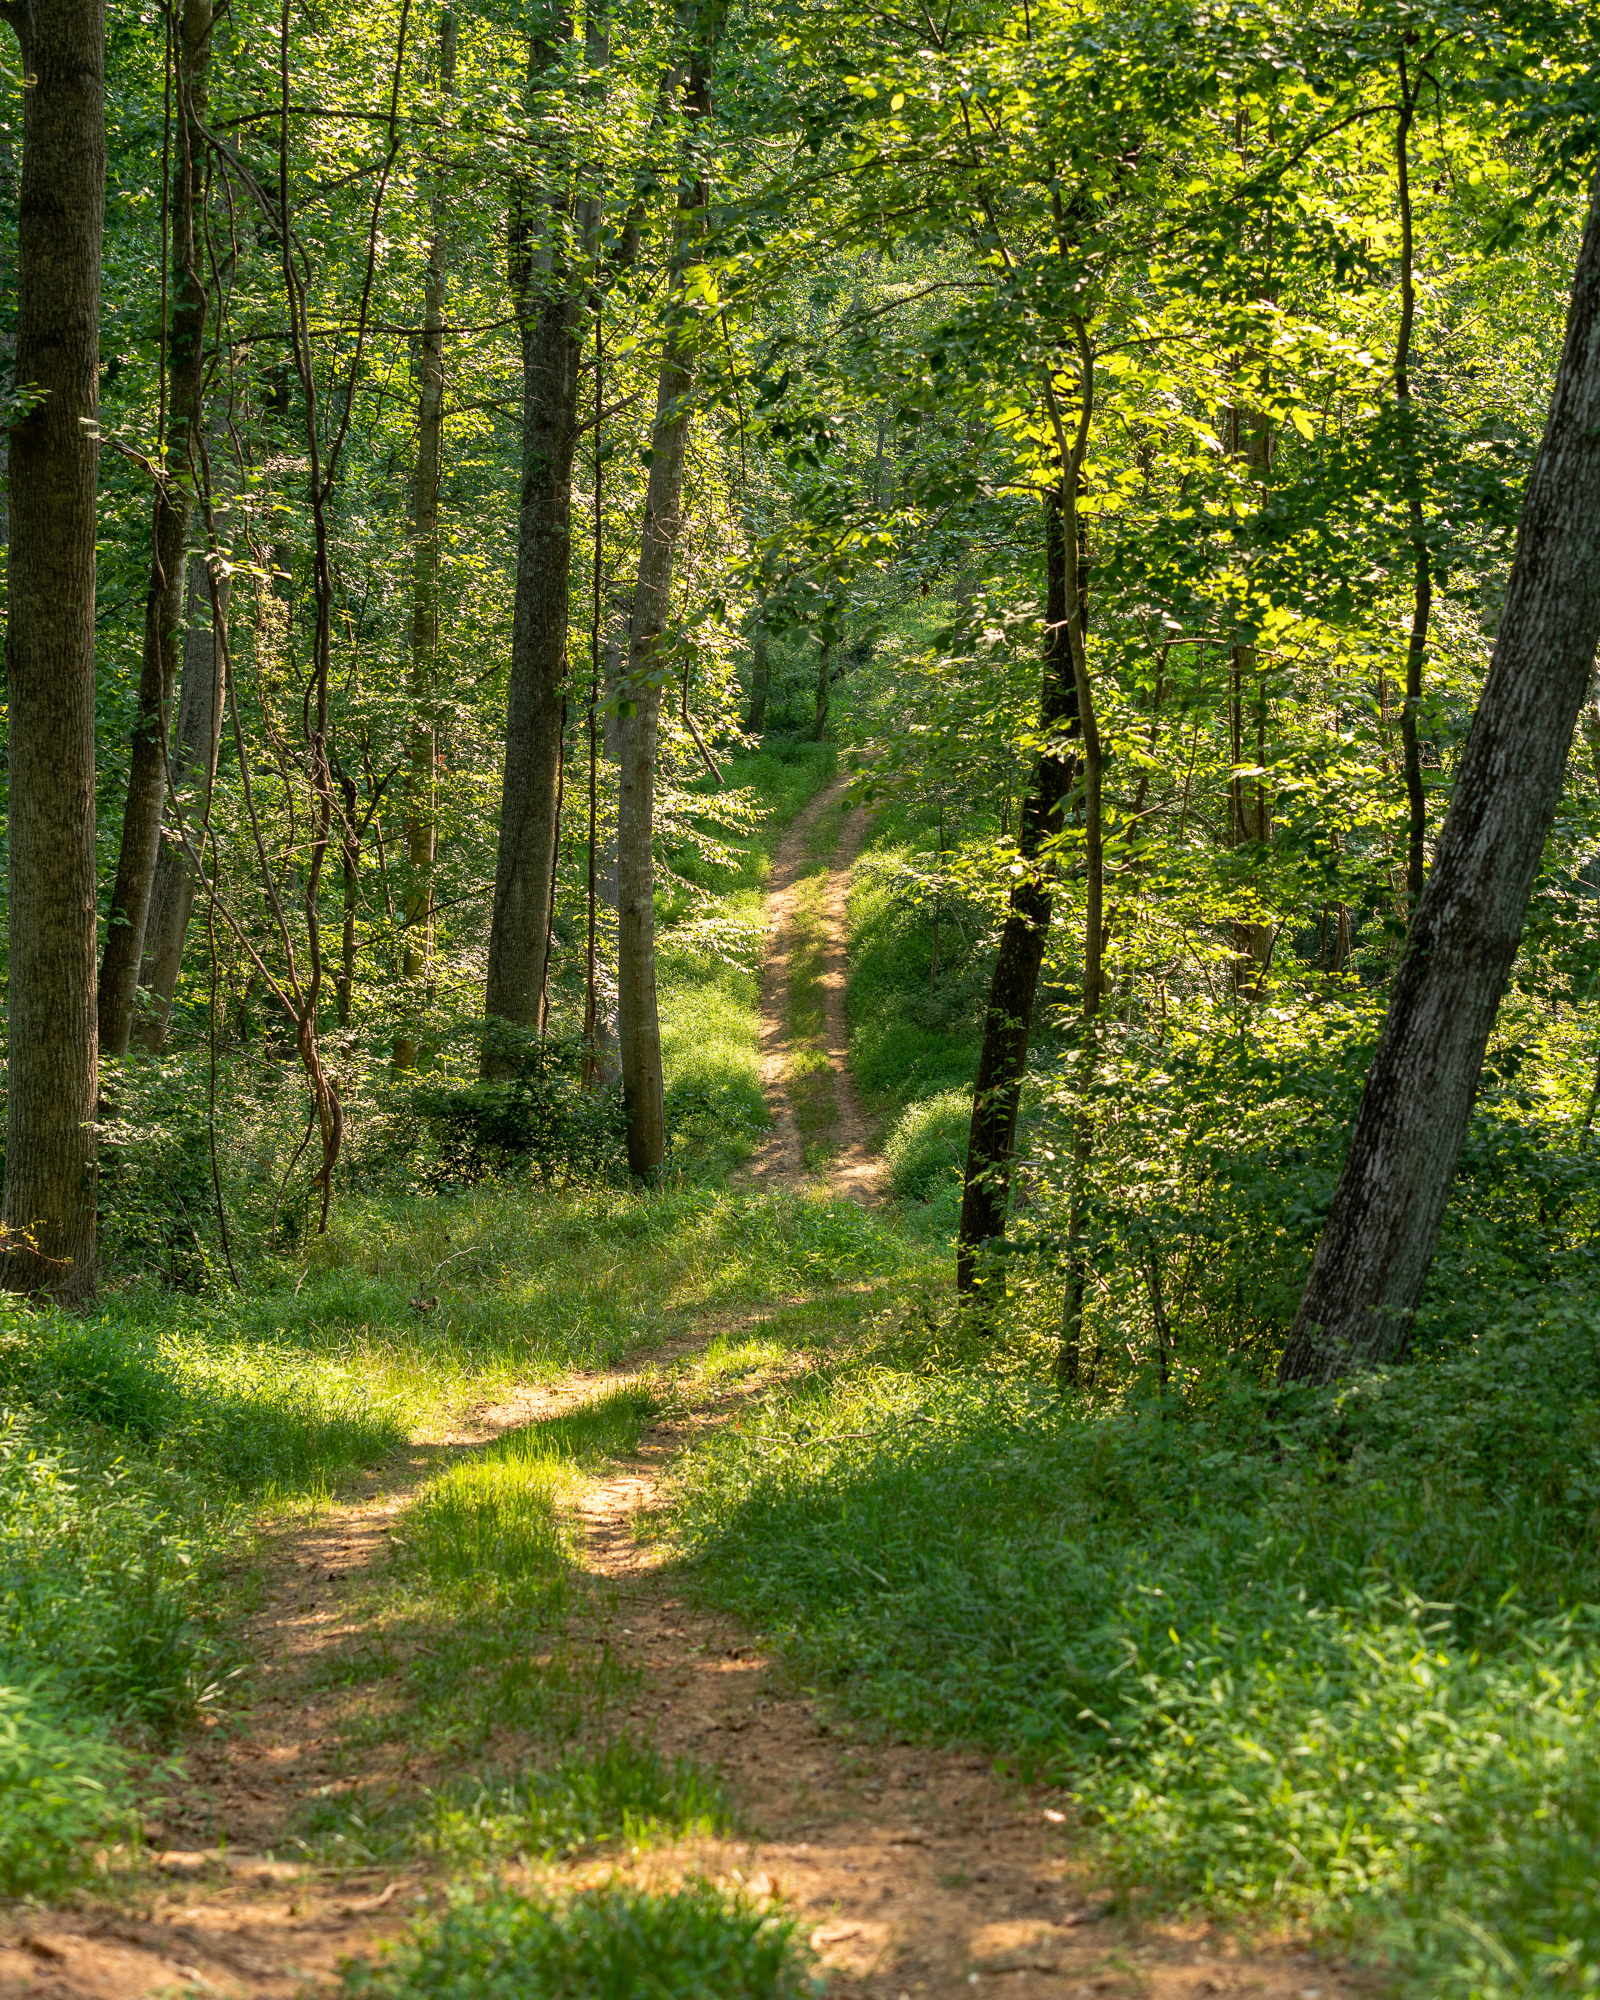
x=802 y=998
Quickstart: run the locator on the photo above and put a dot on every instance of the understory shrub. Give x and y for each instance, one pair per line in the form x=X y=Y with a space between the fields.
x=63 y=1786
x=1331 y=1653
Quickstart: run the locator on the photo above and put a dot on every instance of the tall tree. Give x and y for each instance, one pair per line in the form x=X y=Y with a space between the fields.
x=422 y=746
x=1014 y=983
x=638 y=1021
x=173 y=506
x=550 y=318
x=1373 y=1258
x=53 y=1063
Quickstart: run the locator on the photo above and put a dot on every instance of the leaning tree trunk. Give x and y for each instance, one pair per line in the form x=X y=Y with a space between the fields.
x=1008 y=1019
x=1383 y=1227
x=174 y=502
x=422 y=748
x=194 y=768
x=53 y=1066
x=638 y=1022
x=549 y=312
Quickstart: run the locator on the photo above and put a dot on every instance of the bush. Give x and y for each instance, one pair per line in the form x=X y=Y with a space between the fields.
x=540 y=1116
x=62 y=1786
x=97 y=1586
x=927 y=1145
x=605 y=1944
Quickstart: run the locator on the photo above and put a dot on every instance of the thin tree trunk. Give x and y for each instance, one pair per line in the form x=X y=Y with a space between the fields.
x=194 y=765
x=53 y=1060
x=1383 y=1227
x=549 y=310
x=1422 y=569
x=1069 y=1358
x=757 y=719
x=638 y=1024
x=174 y=503
x=1014 y=984
x=421 y=832
x=820 y=723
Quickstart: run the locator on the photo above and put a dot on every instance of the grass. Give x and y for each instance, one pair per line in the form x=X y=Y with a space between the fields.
x=709 y=969
x=604 y=1944
x=619 y=1791
x=1330 y=1659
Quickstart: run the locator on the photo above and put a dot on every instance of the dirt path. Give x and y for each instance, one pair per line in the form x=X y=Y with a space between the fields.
x=916 y=1873
x=852 y=1168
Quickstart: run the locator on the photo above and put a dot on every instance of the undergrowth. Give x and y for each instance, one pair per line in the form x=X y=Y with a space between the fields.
x=603 y=1944
x=1330 y=1655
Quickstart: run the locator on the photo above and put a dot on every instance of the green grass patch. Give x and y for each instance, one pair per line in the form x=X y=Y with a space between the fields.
x=619 y=1792
x=926 y=1148
x=605 y=1944
x=1332 y=1656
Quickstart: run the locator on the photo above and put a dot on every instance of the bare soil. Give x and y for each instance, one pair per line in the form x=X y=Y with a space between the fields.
x=917 y=1873
x=853 y=1168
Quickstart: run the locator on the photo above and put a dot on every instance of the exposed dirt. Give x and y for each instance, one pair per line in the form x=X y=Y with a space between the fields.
x=852 y=1168
x=916 y=1872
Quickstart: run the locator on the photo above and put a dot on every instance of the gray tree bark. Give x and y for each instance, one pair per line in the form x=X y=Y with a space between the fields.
x=53 y=1063
x=549 y=310
x=1383 y=1227
x=638 y=1020
x=194 y=766
x=174 y=503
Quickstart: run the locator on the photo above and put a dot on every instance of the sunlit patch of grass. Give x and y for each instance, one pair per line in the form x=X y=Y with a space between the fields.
x=624 y=1791
x=731 y=1356
x=618 y=1792
x=609 y=1943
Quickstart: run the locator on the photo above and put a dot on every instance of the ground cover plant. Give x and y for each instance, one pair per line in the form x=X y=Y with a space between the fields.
x=609 y=1944
x=1330 y=1653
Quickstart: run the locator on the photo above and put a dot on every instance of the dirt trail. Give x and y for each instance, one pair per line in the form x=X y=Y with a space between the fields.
x=917 y=1874
x=853 y=1168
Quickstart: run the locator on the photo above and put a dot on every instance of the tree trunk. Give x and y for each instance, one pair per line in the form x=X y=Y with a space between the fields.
x=174 y=503
x=1421 y=564
x=549 y=311
x=757 y=720
x=1008 y=1019
x=1383 y=1227
x=638 y=1024
x=194 y=766
x=53 y=1065
x=417 y=903
x=820 y=723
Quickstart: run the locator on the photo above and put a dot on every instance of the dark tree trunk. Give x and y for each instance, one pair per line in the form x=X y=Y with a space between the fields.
x=422 y=747
x=1008 y=1019
x=174 y=503
x=194 y=765
x=638 y=1022
x=549 y=308
x=53 y=1066
x=1387 y=1210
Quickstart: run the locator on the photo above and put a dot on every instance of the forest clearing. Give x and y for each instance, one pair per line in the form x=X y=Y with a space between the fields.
x=802 y=1000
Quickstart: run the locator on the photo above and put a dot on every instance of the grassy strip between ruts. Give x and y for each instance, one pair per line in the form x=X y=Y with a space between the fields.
x=604 y=1944
x=1328 y=1659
